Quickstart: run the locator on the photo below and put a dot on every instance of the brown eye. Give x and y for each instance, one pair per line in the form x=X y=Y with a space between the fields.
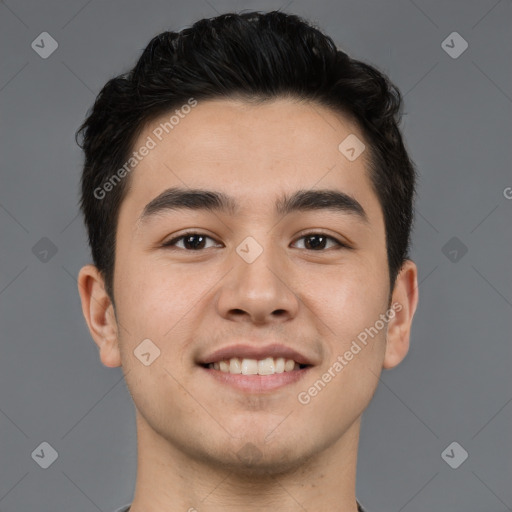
x=318 y=241
x=191 y=241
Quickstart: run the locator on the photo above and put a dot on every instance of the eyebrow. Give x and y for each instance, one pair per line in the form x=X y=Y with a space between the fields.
x=177 y=198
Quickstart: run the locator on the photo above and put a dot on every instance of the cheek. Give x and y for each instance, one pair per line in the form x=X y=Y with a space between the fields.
x=348 y=295
x=159 y=298
x=363 y=317
x=141 y=298
x=348 y=304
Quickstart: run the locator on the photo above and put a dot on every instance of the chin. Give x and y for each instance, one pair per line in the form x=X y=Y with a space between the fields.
x=253 y=459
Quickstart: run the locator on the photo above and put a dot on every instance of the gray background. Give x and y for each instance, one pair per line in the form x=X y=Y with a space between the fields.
x=455 y=384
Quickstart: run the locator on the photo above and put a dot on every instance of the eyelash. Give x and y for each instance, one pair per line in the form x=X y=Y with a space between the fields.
x=171 y=243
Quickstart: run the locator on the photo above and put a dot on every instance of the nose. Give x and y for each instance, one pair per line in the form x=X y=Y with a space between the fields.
x=259 y=292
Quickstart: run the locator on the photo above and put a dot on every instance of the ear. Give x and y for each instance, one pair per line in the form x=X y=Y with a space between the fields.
x=404 y=301
x=99 y=314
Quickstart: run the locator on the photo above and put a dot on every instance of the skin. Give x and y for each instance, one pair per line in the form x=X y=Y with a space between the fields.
x=191 y=429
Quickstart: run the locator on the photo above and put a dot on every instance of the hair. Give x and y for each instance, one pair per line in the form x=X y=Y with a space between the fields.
x=253 y=56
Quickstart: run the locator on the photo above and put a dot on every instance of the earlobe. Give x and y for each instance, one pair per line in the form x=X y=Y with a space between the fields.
x=404 y=303
x=98 y=312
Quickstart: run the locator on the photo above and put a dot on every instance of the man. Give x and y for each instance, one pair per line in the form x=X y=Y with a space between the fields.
x=248 y=199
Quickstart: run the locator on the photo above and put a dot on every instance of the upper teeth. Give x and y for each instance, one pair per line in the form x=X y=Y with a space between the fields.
x=267 y=366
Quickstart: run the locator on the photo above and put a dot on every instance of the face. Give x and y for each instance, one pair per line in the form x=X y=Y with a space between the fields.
x=270 y=278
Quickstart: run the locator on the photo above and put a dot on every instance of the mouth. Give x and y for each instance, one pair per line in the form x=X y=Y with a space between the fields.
x=256 y=369
x=267 y=366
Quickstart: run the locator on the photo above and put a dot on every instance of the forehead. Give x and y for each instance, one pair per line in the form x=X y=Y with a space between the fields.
x=253 y=152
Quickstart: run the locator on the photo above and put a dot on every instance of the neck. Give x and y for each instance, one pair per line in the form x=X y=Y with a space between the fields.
x=169 y=480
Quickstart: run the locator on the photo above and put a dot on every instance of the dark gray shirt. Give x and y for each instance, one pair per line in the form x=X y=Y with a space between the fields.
x=126 y=508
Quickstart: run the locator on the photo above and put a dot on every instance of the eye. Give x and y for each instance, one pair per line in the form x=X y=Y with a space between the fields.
x=317 y=241
x=191 y=240
x=195 y=241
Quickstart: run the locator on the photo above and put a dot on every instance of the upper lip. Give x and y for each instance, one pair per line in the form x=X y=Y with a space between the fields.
x=255 y=352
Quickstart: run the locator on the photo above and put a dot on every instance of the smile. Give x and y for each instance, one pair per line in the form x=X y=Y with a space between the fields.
x=246 y=366
x=256 y=368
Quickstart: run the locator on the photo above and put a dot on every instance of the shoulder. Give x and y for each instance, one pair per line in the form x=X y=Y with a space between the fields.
x=126 y=508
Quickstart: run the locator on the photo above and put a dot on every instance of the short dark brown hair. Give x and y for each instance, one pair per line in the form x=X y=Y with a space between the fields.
x=253 y=56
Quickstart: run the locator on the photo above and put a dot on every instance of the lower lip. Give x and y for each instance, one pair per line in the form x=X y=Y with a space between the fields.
x=258 y=383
